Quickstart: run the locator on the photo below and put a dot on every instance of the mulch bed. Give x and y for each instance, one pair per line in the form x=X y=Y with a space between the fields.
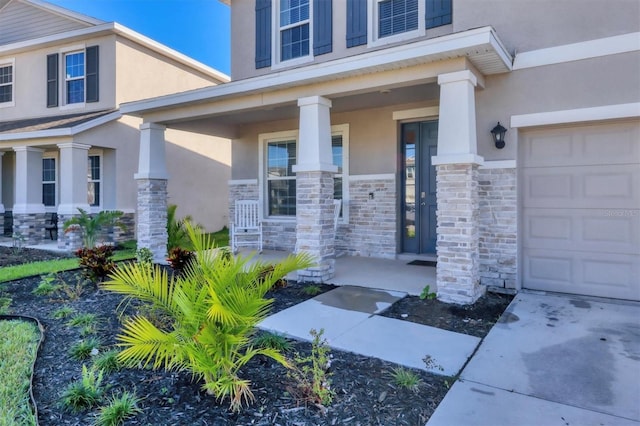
x=366 y=393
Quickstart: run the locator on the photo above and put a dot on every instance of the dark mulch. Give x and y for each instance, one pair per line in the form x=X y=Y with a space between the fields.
x=12 y=256
x=366 y=394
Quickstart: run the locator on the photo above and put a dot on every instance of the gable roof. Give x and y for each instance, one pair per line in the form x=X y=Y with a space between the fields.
x=29 y=19
x=57 y=125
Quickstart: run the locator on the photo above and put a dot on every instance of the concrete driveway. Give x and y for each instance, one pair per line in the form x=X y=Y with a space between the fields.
x=552 y=360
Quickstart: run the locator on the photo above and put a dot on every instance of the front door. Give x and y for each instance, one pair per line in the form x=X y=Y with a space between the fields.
x=419 y=144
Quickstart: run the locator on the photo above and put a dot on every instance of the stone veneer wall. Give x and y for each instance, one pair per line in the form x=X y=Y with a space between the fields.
x=498 y=228
x=29 y=227
x=372 y=227
x=152 y=217
x=457 y=246
x=72 y=240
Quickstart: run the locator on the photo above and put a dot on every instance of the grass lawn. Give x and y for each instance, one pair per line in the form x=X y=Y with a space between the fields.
x=17 y=353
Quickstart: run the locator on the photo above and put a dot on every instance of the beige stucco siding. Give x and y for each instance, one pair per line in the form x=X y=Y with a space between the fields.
x=142 y=73
x=30 y=84
x=570 y=85
x=525 y=25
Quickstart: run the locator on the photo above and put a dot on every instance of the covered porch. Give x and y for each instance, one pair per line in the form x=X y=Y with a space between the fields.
x=333 y=130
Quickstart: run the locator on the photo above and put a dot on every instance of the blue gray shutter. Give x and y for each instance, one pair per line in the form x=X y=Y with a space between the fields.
x=92 y=74
x=438 y=13
x=322 y=26
x=356 y=22
x=263 y=33
x=52 y=80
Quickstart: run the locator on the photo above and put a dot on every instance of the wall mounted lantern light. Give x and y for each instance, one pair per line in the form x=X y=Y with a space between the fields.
x=498 y=133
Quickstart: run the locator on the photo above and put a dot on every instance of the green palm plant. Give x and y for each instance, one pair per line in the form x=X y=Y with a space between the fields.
x=214 y=308
x=177 y=235
x=90 y=226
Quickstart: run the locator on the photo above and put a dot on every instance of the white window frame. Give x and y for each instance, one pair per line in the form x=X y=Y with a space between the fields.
x=373 y=23
x=54 y=156
x=96 y=153
x=10 y=63
x=287 y=135
x=277 y=38
x=62 y=72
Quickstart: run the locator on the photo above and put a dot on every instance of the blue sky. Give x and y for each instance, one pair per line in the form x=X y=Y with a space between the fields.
x=198 y=28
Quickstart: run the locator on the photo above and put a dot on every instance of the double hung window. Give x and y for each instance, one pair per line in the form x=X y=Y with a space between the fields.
x=74 y=77
x=397 y=16
x=294 y=29
x=49 y=182
x=94 y=179
x=6 y=83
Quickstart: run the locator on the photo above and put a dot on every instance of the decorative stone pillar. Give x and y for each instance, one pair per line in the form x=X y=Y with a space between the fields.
x=1 y=205
x=457 y=213
x=73 y=191
x=315 y=233
x=152 y=177
x=28 y=210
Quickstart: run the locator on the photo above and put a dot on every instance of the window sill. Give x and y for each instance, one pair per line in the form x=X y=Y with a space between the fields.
x=292 y=62
x=409 y=35
x=7 y=104
x=68 y=107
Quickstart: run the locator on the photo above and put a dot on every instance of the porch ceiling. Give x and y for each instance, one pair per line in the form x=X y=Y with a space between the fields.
x=401 y=74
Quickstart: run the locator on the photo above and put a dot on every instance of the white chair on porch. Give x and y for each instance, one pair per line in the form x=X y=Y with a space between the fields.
x=246 y=230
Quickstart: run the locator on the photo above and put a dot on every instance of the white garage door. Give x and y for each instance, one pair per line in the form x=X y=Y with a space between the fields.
x=580 y=194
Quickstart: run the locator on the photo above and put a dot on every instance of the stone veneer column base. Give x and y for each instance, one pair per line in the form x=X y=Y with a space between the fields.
x=71 y=240
x=29 y=227
x=152 y=217
x=457 y=274
x=315 y=233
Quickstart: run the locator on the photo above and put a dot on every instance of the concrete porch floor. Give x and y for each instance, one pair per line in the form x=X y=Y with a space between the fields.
x=368 y=272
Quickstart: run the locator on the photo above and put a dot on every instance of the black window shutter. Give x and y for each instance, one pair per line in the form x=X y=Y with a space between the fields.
x=322 y=26
x=356 y=22
x=52 y=80
x=438 y=13
x=263 y=33
x=93 y=64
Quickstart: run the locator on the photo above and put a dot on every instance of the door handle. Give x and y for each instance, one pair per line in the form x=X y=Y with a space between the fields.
x=423 y=195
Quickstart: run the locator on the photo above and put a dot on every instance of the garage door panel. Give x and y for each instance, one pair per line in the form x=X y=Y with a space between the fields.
x=604 y=144
x=603 y=186
x=592 y=274
x=581 y=230
x=580 y=201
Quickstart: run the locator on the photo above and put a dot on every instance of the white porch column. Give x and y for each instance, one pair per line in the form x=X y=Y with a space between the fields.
x=28 y=210
x=315 y=233
x=152 y=176
x=457 y=164
x=74 y=159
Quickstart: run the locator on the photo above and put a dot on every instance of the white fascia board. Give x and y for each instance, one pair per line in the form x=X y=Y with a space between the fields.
x=398 y=56
x=578 y=51
x=580 y=115
x=114 y=28
x=85 y=19
x=67 y=131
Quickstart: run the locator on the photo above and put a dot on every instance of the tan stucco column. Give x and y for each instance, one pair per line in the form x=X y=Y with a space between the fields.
x=152 y=177
x=28 y=210
x=315 y=232
x=457 y=164
x=73 y=190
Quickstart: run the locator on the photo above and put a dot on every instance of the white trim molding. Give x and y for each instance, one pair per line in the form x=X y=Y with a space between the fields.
x=577 y=51
x=607 y=112
x=499 y=164
x=415 y=113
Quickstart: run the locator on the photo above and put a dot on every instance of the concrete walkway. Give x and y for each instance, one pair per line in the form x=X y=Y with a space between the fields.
x=552 y=360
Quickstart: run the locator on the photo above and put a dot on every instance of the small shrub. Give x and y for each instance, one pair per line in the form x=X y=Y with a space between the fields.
x=266 y=272
x=406 y=379
x=91 y=225
x=144 y=256
x=427 y=293
x=272 y=341
x=311 y=373
x=73 y=292
x=88 y=330
x=84 y=349
x=5 y=302
x=118 y=410
x=97 y=262
x=47 y=285
x=62 y=313
x=81 y=320
x=311 y=290
x=107 y=361
x=179 y=258
x=84 y=393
